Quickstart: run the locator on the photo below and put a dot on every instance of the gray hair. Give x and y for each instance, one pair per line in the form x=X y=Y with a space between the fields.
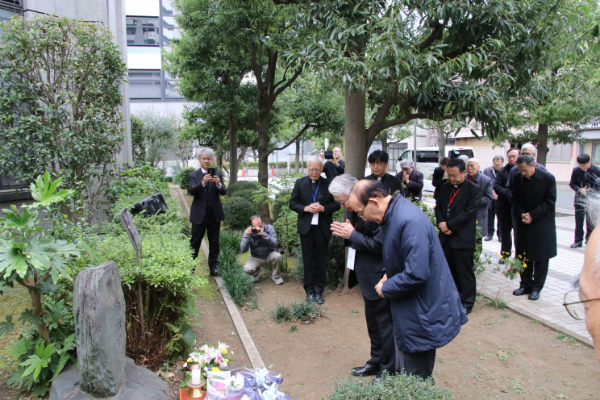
x=498 y=157
x=473 y=160
x=405 y=164
x=464 y=158
x=526 y=159
x=313 y=159
x=529 y=146
x=207 y=151
x=342 y=185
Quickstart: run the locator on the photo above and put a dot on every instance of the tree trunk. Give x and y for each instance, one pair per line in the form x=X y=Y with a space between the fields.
x=297 y=155
x=263 y=158
x=241 y=157
x=254 y=154
x=441 y=141
x=355 y=134
x=384 y=141
x=542 y=147
x=233 y=160
x=36 y=302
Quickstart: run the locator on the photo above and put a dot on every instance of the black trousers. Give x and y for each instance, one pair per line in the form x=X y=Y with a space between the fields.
x=534 y=276
x=460 y=262
x=419 y=364
x=491 y=217
x=314 y=254
x=381 y=332
x=506 y=224
x=580 y=215
x=213 y=228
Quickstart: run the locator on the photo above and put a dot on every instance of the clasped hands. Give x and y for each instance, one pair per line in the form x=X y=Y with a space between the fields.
x=314 y=208
x=444 y=228
x=342 y=229
x=208 y=178
x=526 y=218
x=380 y=285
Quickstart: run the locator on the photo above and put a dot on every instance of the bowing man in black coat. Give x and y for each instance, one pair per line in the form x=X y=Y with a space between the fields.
x=206 y=212
x=411 y=180
x=584 y=182
x=314 y=205
x=533 y=209
x=366 y=242
x=378 y=160
x=456 y=212
x=503 y=206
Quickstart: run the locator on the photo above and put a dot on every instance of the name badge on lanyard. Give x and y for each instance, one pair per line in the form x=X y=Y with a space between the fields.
x=315 y=217
x=351 y=258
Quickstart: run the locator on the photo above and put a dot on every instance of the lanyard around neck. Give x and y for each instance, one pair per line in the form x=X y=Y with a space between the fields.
x=314 y=195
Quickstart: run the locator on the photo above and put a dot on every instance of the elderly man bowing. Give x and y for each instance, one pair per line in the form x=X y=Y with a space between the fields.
x=426 y=308
x=314 y=205
x=366 y=268
x=487 y=186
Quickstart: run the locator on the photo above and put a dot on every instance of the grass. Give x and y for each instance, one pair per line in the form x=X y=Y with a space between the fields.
x=297 y=311
x=236 y=281
x=354 y=312
x=293 y=328
x=566 y=338
x=498 y=303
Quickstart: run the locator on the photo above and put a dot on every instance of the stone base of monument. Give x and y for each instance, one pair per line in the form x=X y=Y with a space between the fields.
x=139 y=384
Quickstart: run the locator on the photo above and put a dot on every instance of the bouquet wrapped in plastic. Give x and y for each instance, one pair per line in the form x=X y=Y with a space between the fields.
x=245 y=384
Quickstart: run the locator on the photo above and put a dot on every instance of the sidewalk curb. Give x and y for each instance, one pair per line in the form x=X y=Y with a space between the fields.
x=237 y=319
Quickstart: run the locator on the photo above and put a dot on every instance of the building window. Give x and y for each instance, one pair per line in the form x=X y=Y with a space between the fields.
x=559 y=152
x=170 y=30
x=171 y=90
x=167 y=7
x=143 y=58
x=8 y=8
x=596 y=153
x=144 y=85
x=143 y=8
x=142 y=31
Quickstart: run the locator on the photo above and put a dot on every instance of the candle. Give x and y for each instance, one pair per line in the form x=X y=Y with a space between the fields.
x=196 y=376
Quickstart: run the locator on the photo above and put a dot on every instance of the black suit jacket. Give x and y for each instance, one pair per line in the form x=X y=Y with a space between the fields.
x=503 y=205
x=463 y=214
x=438 y=180
x=389 y=181
x=367 y=239
x=331 y=171
x=414 y=187
x=302 y=197
x=202 y=194
x=581 y=179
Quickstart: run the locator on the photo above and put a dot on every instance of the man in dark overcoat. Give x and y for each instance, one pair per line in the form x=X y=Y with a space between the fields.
x=412 y=181
x=474 y=175
x=365 y=239
x=315 y=205
x=492 y=172
x=584 y=181
x=206 y=212
x=503 y=206
x=533 y=208
x=439 y=176
x=455 y=212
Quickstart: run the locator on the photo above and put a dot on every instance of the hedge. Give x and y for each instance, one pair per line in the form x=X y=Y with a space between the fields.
x=184 y=177
x=240 y=186
x=238 y=212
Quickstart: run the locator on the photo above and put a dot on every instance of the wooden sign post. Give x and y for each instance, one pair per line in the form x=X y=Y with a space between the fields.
x=136 y=242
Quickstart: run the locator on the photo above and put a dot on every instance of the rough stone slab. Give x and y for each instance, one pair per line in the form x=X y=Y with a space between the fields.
x=139 y=384
x=99 y=311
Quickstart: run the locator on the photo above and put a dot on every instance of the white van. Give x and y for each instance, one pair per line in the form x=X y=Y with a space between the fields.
x=427 y=160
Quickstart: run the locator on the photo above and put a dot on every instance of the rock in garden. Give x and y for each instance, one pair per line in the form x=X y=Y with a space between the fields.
x=99 y=311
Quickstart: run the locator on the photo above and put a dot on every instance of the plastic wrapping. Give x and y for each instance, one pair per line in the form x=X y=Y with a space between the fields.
x=245 y=384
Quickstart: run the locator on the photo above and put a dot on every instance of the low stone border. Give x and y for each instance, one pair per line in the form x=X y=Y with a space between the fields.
x=237 y=319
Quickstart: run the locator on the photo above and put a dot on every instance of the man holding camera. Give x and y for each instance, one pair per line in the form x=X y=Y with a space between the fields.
x=334 y=165
x=262 y=241
x=206 y=185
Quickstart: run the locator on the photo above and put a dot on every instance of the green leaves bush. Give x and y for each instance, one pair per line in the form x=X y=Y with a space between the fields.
x=238 y=212
x=236 y=281
x=397 y=387
x=184 y=177
x=233 y=189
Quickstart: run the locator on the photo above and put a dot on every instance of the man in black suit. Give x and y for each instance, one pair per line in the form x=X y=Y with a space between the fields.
x=456 y=212
x=439 y=176
x=503 y=206
x=206 y=212
x=492 y=172
x=533 y=208
x=584 y=182
x=314 y=204
x=335 y=166
x=366 y=242
x=378 y=160
x=412 y=181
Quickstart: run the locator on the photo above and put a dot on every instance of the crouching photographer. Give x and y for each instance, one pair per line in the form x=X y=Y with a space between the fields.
x=262 y=240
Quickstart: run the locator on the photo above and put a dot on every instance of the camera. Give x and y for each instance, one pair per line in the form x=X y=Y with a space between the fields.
x=254 y=230
x=212 y=171
x=328 y=155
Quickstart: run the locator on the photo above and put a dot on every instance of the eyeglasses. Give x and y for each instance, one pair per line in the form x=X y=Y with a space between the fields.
x=360 y=213
x=314 y=170
x=574 y=304
x=341 y=203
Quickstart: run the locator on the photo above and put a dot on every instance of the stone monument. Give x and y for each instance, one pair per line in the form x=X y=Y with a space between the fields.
x=104 y=371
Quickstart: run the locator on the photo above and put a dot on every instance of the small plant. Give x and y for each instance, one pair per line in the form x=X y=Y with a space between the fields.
x=281 y=313
x=566 y=338
x=498 y=303
x=506 y=315
x=297 y=311
x=293 y=328
x=354 y=312
x=237 y=282
x=512 y=266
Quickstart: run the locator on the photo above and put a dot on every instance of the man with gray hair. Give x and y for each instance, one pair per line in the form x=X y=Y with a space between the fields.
x=412 y=181
x=533 y=210
x=492 y=173
x=526 y=150
x=365 y=262
x=262 y=241
x=206 y=213
x=336 y=165
x=314 y=205
x=474 y=175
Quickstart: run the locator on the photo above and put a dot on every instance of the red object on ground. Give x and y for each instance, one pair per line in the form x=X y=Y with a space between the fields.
x=183 y=395
x=243 y=172
x=272 y=171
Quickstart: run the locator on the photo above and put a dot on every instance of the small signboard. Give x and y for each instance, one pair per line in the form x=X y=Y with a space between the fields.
x=132 y=232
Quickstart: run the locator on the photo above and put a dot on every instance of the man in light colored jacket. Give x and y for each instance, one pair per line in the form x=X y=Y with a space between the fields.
x=262 y=241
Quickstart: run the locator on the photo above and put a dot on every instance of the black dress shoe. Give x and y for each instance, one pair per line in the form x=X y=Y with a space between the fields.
x=534 y=295
x=310 y=298
x=488 y=238
x=215 y=272
x=368 y=370
x=501 y=260
x=576 y=244
x=521 y=292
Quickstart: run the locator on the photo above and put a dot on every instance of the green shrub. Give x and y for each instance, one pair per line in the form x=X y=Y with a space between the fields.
x=297 y=311
x=286 y=228
x=396 y=387
x=184 y=177
x=240 y=186
x=281 y=202
x=302 y=164
x=280 y=164
x=238 y=213
x=248 y=164
x=245 y=194
x=169 y=179
x=236 y=281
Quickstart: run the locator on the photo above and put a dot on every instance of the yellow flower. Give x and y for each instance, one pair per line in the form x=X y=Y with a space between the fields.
x=226 y=359
x=224 y=351
x=190 y=360
x=215 y=369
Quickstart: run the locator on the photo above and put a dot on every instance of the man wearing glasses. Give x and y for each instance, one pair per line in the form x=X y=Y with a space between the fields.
x=378 y=160
x=206 y=212
x=314 y=204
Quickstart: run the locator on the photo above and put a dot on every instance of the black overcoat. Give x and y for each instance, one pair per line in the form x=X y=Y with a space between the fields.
x=202 y=194
x=302 y=197
x=463 y=214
